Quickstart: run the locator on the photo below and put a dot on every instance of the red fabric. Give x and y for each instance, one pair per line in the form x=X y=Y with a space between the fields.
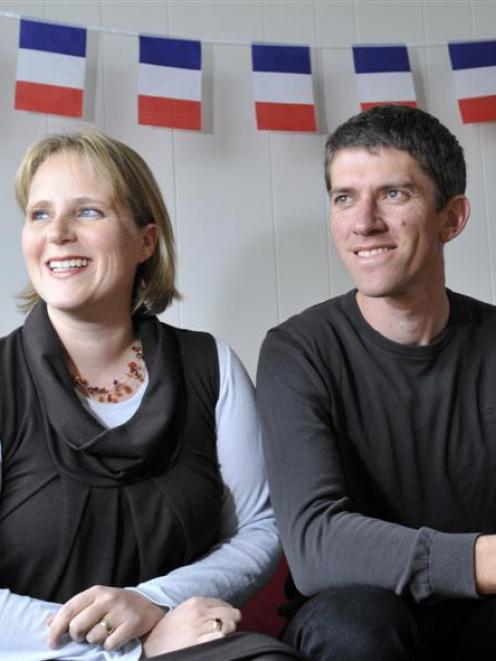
x=366 y=105
x=285 y=116
x=260 y=613
x=53 y=99
x=478 y=109
x=173 y=113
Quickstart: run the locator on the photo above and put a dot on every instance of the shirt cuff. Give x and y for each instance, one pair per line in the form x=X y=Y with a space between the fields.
x=452 y=565
x=154 y=594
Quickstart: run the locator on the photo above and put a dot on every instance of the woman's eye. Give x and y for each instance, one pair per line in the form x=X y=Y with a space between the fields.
x=39 y=214
x=90 y=212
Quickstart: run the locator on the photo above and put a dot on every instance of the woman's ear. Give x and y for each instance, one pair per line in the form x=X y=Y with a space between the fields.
x=149 y=237
x=455 y=216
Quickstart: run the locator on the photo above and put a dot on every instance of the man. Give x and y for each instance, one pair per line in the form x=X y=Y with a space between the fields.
x=379 y=414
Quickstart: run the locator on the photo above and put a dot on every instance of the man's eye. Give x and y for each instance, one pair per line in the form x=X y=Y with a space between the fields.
x=394 y=194
x=341 y=200
x=90 y=212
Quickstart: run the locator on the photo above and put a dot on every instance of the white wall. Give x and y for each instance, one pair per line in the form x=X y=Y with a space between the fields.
x=249 y=208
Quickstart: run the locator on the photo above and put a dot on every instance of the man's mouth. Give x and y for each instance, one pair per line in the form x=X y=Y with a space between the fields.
x=372 y=252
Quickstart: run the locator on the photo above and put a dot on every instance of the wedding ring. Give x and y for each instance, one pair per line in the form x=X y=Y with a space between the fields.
x=217 y=624
x=106 y=625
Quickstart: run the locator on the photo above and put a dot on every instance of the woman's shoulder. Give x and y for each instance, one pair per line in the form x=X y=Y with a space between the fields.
x=12 y=335
x=11 y=345
x=190 y=339
x=198 y=358
x=205 y=353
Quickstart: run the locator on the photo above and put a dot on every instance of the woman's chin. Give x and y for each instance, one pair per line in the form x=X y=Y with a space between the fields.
x=68 y=306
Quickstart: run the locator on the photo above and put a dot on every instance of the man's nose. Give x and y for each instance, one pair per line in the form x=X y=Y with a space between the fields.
x=367 y=217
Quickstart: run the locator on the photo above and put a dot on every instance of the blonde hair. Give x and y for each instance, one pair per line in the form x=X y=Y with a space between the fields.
x=134 y=186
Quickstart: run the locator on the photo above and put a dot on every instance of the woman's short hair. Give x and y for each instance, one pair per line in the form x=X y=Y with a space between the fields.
x=134 y=186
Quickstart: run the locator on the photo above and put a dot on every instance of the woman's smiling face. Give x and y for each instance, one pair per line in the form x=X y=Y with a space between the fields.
x=81 y=247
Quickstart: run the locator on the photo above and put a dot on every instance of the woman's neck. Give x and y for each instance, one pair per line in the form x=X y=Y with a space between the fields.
x=97 y=350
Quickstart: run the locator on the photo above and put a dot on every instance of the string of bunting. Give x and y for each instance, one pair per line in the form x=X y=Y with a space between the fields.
x=51 y=69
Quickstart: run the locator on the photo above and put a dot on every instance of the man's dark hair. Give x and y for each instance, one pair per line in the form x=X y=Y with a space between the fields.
x=431 y=144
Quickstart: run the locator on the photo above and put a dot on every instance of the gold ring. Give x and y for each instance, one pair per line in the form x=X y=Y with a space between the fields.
x=217 y=624
x=106 y=625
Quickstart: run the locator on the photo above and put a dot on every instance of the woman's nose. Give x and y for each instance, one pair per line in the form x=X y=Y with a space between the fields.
x=61 y=230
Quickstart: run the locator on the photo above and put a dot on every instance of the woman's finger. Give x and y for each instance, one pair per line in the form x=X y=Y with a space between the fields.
x=100 y=632
x=224 y=625
x=226 y=614
x=89 y=618
x=60 y=622
x=207 y=637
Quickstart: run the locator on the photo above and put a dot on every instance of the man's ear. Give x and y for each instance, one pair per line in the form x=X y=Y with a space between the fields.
x=454 y=217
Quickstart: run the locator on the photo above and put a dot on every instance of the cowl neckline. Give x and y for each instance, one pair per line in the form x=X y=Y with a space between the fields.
x=83 y=449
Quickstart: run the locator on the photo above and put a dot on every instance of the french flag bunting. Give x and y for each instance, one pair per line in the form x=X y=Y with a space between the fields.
x=169 y=83
x=283 y=88
x=51 y=67
x=474 y=69
x=383 y=76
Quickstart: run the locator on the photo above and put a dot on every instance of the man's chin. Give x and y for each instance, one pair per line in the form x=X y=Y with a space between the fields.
x=368 y=291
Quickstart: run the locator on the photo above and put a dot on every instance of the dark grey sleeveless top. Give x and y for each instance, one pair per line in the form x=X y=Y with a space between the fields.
x=83 y=505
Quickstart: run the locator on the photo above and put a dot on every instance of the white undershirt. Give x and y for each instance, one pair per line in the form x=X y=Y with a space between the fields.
x=113 y=415
x=232 y=570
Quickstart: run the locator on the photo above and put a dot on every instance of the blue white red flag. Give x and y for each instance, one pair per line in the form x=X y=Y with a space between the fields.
x=383 y=76
x=51 y=67
x=169 y=83
x=474 y=69
x=283 y=88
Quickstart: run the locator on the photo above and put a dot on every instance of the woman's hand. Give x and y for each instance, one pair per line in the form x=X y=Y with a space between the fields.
x=107 y=616
x=196 y=620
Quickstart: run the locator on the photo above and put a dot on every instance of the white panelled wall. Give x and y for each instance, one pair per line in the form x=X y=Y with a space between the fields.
x=249 y=208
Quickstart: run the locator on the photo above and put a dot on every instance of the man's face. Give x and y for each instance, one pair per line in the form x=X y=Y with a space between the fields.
x=384 y=222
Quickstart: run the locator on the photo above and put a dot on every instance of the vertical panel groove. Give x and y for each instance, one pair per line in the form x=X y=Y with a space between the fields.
x=272 y=202
x=177 y=222
x=485 y=183
x=275 y=232
x=102 y=73
x=47 y=122
x=325 y=215
x=327 y=226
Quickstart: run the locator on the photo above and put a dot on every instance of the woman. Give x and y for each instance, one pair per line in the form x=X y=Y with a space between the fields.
x=130 y=448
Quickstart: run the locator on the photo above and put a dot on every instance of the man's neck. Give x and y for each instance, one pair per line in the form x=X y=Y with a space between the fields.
x=416 y=320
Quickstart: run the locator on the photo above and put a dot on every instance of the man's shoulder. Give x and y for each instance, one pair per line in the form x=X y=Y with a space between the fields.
x=471 y=310
x=320 y=314
x=318 y=325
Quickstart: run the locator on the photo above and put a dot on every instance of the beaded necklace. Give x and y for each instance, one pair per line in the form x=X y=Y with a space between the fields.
x=135 y=374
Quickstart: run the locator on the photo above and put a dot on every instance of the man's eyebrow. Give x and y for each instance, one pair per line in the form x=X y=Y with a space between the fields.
x=405 y=183
x=341 y=189
x=402 y=183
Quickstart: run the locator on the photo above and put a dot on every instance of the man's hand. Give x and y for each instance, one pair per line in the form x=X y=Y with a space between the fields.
x=107 y=616
x=196 y=620
x=485 y=564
